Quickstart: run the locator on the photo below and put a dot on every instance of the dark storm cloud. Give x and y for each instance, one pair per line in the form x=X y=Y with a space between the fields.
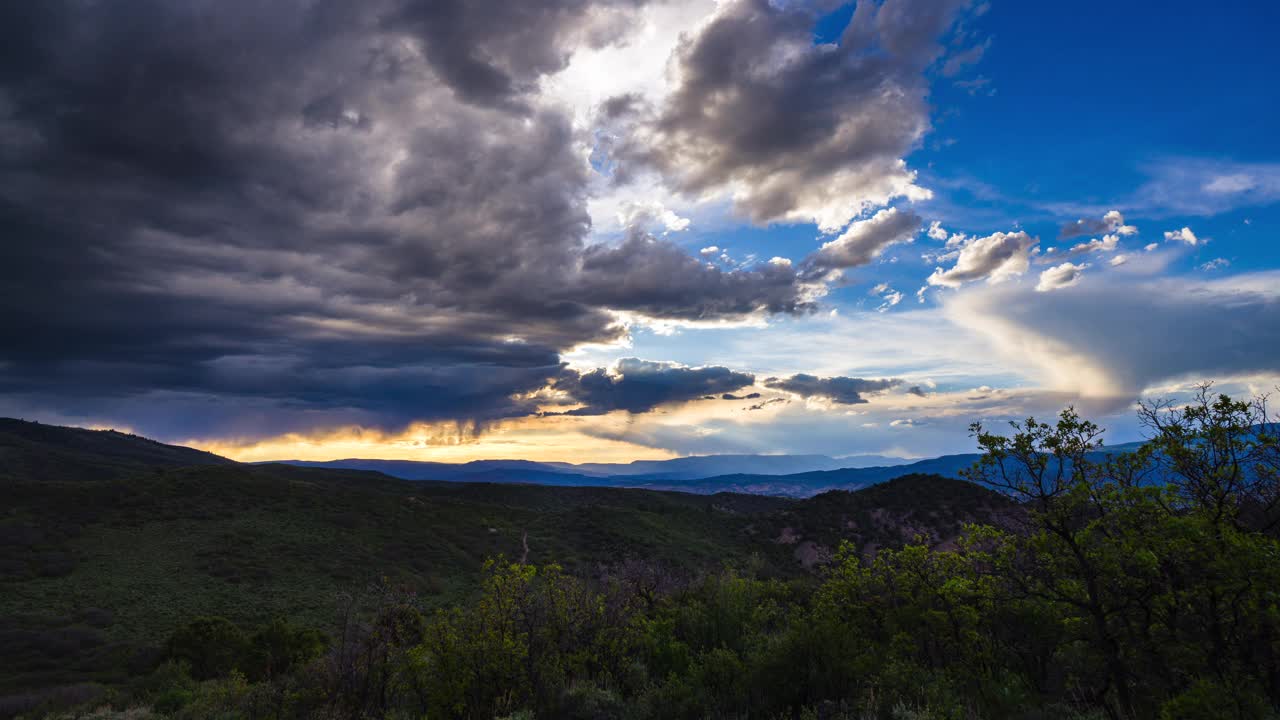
x=317 y=212
x=839 y=389
x=654 y=277
x=494 y=51
x=641 y=385
x=796 y=131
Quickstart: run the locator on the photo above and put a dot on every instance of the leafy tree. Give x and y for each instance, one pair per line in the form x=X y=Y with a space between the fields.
x=1222 y=454
x=280 y=647
x=1157 y=588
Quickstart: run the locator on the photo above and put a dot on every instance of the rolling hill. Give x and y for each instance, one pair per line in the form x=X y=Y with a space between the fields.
x=109 y=541
x=36 y=451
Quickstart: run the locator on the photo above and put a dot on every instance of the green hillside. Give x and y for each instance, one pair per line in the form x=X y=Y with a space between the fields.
x=107 y=545
x=127 y=560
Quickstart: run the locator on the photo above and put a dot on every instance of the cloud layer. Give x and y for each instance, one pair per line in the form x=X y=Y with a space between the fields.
x=362 y=214
x=235 y=219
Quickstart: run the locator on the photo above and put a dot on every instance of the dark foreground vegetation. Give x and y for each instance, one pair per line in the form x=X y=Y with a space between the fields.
x=1100 y=594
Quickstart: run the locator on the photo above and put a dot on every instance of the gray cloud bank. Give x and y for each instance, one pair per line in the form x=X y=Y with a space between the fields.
x=842 y=390
x=288 y=215
x=641 y=385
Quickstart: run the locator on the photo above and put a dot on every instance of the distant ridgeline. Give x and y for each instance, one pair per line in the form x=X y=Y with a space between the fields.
x=797 y=476
x=781 y=475
x=787 y=475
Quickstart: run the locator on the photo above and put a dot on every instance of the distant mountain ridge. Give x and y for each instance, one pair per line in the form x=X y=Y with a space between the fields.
x=684 y=468
x=699 y=466
x=36 y=450
x=820 y=481
x=426 y=470
x=703 y=475
x=40 y=451
x=765 y=474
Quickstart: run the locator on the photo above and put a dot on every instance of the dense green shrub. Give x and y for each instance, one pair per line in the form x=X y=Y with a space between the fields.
x=210 y=646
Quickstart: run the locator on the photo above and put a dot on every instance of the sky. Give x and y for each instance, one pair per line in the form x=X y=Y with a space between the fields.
x=608 y=230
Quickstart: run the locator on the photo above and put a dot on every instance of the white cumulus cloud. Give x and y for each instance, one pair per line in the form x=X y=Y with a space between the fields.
x=1184 y=235
x=1060 y=276
x=993 y=258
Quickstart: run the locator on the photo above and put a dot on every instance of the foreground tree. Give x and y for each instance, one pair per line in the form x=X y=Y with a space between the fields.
x=1156 y=564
